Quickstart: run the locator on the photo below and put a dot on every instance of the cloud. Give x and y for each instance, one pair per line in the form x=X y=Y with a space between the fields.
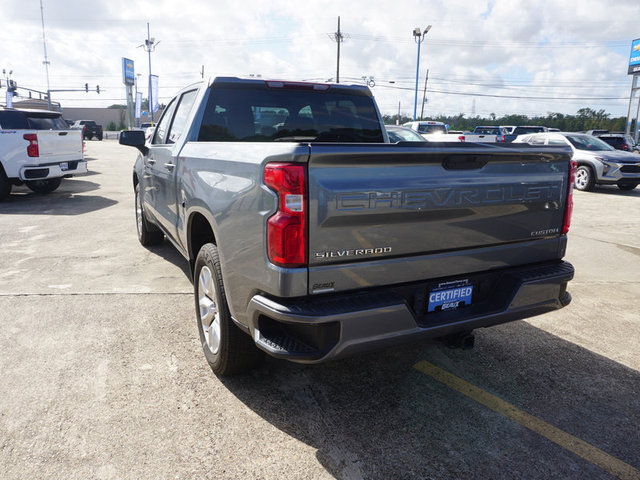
x=516 y=48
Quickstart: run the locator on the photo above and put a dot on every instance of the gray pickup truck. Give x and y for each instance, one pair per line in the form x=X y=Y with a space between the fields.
x=311 y=237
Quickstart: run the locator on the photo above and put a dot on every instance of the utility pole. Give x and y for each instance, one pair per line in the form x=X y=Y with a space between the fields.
x=339 y=39
x=398 y=119
x=424 y=95
x=202 y=72
x=46 y=59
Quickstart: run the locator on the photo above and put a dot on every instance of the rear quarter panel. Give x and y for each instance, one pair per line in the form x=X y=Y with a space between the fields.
x=223 y=181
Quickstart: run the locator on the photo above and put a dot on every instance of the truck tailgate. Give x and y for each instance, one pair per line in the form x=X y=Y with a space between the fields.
x=382 y=214
x=59 y=145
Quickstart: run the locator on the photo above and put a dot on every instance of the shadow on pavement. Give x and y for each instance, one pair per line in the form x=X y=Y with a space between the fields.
x=614 y=190
x=63 y=201
x=169 y=253
x=376 y=416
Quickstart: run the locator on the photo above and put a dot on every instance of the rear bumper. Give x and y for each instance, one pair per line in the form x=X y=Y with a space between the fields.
x=316 y=329
x=53 y=170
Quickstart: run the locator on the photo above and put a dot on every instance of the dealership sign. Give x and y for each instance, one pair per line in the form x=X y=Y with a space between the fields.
x=128 y=73
x=634 y=59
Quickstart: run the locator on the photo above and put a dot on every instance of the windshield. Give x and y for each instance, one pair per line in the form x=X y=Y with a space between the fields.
x=589 y=143
x=432 y=129
x=257 y=114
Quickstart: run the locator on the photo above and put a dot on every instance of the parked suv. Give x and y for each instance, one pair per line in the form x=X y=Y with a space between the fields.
x=89 y=129
x=619 y=141
x=598 y=162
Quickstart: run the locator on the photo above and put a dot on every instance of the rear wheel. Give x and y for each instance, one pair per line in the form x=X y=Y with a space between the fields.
x=585 y=179
x=5 y=185
x=227 y=349
x=148 y=234
x=47 y=185
x=627 y=186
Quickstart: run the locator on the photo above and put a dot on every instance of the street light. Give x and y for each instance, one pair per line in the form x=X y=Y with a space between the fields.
x=149 y=46
x=418 y=37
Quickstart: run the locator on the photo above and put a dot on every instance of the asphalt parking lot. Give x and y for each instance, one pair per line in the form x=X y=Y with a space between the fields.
x=103 y=375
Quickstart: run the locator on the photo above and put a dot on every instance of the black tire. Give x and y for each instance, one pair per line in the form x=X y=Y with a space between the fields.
x=627 y=186
x=47 y=185
x=5 y=185
x=148 y=234
x=227 y=348
x=100 y=137
x=88 y=137
x=585 y=178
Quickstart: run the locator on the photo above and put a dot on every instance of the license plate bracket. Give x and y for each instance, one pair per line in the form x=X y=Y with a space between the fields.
x=450 y=296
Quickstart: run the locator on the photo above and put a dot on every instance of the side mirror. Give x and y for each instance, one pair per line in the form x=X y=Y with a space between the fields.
x=134 y=138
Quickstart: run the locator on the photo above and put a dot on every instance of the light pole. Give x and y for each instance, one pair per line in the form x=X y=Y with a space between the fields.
x=149 y=46
x=418 y=37
x=138 y=107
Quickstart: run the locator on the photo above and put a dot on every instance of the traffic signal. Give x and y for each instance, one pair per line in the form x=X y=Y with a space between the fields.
x=86 y=87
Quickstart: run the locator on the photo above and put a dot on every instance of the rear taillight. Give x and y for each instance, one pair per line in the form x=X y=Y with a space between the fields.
x=287 y=228
x=573 y=166
x=500 y=139
x=32 y=148
x=461 y=138
x=625 y=147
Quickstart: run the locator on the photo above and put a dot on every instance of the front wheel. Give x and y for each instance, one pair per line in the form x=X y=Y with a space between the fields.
x=148 y=234
x=47 y=185
x=227 y=349
x=585 y=179
x=627 y=186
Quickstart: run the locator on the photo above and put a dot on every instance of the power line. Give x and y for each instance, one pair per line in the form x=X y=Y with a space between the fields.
x=524 y=97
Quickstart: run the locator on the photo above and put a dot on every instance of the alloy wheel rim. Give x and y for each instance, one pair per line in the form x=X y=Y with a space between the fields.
x=209 y=314
x=581 y=178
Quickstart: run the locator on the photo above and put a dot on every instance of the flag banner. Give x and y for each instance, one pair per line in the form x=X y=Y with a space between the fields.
x=138 y=104
x=154 y=92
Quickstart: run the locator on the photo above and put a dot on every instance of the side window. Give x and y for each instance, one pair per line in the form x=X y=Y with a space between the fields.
x=558 y=141
x=162 y=129
x=180 y=118
x=537 y=140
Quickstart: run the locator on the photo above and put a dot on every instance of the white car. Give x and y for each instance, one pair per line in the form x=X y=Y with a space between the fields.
x=149 y=128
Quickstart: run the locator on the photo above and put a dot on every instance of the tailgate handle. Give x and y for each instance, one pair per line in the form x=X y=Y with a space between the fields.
x=62 y=134
x=465 y=162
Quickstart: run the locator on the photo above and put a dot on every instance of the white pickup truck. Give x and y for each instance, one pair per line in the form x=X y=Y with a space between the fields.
x=38 y=149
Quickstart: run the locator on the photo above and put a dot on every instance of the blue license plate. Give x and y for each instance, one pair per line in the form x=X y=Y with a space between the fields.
x=446 y=297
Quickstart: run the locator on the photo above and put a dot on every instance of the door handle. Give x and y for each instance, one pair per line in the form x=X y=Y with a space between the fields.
x=169 y=166
x=151 y=161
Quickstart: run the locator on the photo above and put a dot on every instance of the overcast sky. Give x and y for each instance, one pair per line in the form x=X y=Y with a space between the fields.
x=504 y=56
